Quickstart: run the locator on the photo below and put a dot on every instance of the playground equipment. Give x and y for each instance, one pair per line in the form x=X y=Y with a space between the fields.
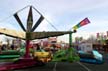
x=88 y=55
x=9 y=54
x=43 y=56
x=66 y=55
x=27 y=60
x=91 y=57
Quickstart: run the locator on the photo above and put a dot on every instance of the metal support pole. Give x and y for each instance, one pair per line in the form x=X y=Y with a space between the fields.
x=27 y=54
x=70 y=37
x=70 y=40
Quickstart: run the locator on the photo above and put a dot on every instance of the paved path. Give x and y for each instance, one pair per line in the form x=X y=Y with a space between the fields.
x=61 y=66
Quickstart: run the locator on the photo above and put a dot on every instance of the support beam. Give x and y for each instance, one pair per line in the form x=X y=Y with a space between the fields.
x=19 y=21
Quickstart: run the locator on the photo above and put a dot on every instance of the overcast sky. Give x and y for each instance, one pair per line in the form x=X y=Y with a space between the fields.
x=63 y=14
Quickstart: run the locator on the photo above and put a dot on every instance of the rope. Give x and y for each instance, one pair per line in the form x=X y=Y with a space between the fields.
x=51 y=25
x=23 y=8
x=45 y=18
x=12 y=14
x=35 y=10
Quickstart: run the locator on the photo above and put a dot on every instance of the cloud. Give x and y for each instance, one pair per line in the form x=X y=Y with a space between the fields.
x=3 y=25
x=62 y=13
x=62 y=6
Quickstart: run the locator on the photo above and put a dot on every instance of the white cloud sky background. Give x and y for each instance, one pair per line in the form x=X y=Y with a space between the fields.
x=63 y=14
